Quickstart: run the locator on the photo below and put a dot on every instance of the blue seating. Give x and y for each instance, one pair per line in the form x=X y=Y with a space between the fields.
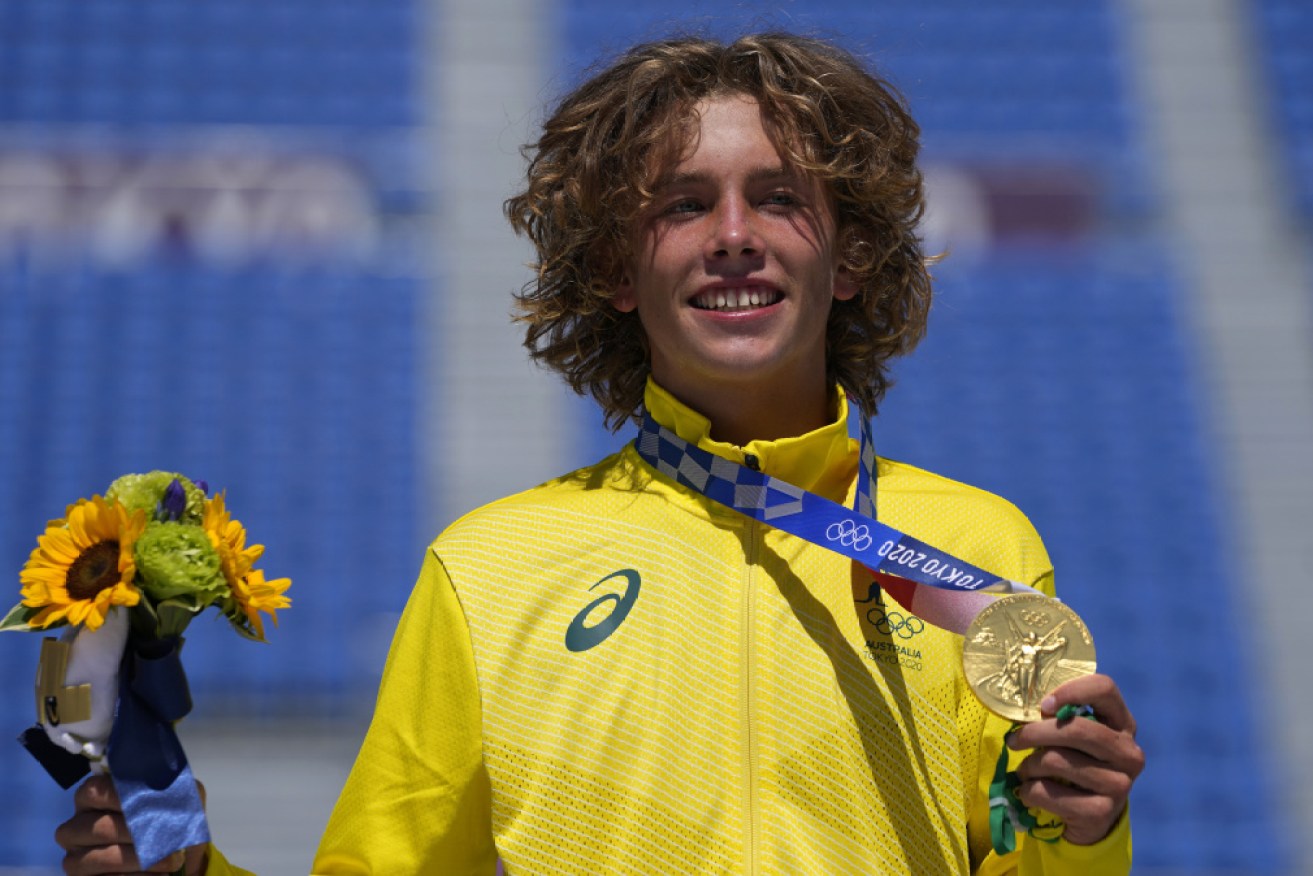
x=210 y=62
x=1285 y=32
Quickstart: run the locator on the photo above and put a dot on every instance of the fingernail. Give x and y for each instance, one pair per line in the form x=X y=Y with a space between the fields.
x=1048 y=705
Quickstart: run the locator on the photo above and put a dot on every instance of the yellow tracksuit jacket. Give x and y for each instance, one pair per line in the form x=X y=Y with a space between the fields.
x=609 y=674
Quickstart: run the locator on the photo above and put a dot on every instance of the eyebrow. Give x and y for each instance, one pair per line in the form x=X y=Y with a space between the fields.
x=756 y=175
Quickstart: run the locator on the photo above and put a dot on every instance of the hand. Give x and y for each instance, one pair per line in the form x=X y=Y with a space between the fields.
x=96 y=839
x=1081 y=770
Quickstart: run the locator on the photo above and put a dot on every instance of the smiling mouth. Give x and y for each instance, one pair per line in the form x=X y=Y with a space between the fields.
x=737 y=298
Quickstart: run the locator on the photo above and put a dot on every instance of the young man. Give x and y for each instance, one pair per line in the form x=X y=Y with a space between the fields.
x=615 y=672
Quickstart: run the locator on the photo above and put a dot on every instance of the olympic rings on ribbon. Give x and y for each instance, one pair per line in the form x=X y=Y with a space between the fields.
x=849 y=534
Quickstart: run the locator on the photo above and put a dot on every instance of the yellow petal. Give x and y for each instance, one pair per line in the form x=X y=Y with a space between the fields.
x=44 y=575
x=59 y=545
x=77 y=611
x=35 y=598
x=93 y=619
x=50 y=615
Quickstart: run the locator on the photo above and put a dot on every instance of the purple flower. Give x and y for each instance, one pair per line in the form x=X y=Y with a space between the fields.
x=173 y=503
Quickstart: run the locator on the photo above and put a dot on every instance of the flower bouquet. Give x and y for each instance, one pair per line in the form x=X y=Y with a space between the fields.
x=124 y=574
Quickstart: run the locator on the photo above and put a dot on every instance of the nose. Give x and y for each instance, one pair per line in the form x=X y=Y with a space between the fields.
x=734 y=232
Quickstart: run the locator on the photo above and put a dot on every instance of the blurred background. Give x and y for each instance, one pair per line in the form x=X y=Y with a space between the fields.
x=260 y=242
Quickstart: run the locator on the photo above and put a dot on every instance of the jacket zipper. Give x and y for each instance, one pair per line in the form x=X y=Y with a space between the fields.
x=747 y=621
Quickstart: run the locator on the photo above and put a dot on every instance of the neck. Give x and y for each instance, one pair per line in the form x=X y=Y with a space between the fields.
x=739 y=415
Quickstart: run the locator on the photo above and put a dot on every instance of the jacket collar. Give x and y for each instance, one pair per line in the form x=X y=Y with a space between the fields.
x=823 y=461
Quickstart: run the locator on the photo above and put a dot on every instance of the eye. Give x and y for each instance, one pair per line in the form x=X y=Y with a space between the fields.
x=683 y=207
x=781 y=199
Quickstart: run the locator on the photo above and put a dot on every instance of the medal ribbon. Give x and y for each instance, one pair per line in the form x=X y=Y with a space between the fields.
x=952 y=592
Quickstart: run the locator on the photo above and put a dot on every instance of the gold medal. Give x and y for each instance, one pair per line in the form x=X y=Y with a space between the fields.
x=1020 y=648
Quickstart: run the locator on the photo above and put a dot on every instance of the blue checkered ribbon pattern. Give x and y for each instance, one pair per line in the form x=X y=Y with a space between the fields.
x=853 y=533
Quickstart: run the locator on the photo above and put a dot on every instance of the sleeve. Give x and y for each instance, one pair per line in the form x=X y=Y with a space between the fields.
x=417 y=799
x=1033 y=856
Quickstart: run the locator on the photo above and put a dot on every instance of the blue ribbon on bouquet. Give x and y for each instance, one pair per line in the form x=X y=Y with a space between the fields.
x=161 y=803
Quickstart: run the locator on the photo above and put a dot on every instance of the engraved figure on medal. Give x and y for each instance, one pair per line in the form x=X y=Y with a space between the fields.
x=1020 y=648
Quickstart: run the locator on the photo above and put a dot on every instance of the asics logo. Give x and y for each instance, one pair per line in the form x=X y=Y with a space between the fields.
x=849 y=534
x=579 y=636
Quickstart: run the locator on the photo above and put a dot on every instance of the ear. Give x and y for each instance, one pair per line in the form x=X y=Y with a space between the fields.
x=624 y=299
x=845 y=287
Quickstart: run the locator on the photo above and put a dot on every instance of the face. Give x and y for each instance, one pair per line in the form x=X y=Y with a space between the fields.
x=734 y=268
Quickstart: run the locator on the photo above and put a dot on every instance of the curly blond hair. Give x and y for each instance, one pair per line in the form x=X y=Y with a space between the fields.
x=592 y=172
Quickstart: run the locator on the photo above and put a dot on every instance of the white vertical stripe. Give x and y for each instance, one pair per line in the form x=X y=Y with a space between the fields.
x=494 y=423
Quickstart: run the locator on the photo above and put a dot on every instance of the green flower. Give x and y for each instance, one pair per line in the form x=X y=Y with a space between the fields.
x=177 y=560
x=146 y=491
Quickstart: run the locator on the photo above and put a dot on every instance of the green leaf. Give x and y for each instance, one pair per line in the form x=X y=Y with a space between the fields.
x=18 y=618
x=244 y=628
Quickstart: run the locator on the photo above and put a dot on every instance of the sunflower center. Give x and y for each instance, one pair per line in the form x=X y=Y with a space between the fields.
x=95 y=570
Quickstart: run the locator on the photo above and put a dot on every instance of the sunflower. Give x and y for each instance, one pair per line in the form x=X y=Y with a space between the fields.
x=229 y=538
x=251 y=593
x=83 y=565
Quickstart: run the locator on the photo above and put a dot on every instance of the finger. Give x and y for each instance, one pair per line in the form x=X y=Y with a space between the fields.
x=98 y=860
x=1115 y=749
x=116 y=860
x=90 y=828
x=1088 y=817
x=1097 y=691
x=1077 y=770
x=97 y=792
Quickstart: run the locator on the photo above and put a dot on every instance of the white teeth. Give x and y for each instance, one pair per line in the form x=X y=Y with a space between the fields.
x=742 y=298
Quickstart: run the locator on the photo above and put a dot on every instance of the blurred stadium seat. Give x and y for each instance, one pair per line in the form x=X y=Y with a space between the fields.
x=1285 y=30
